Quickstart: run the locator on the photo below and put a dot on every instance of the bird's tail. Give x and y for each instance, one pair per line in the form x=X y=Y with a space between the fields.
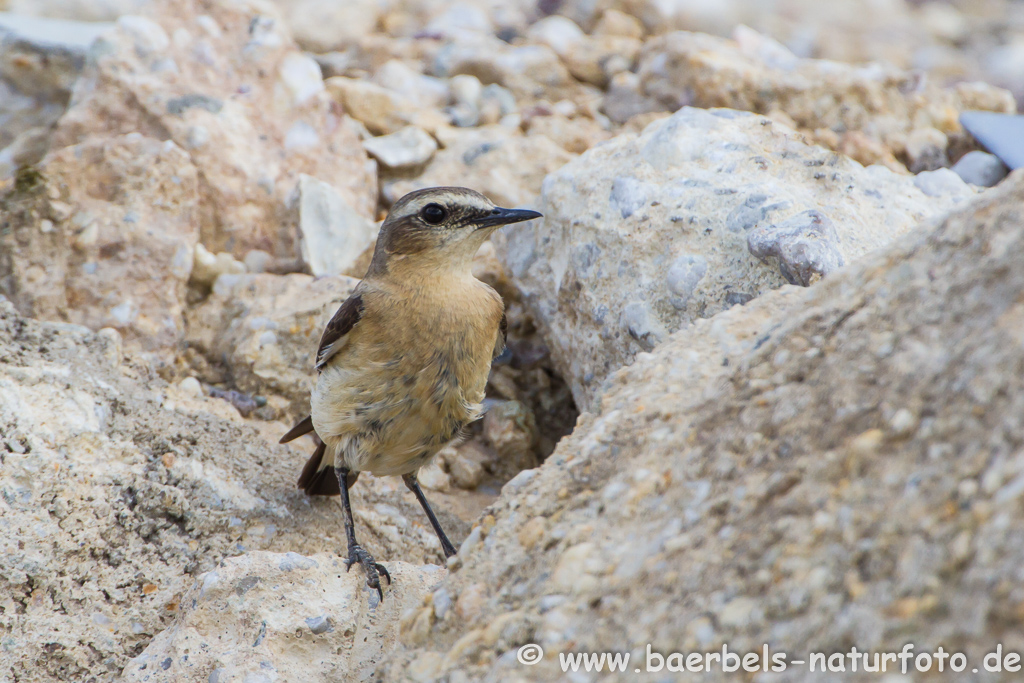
x=318 y=479
x=305 y=426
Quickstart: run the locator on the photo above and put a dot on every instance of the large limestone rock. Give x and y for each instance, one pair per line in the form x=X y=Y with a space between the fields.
x=261 y=616
x=872 y=112
x=225 y=82
x=854 y=479
x=704 y=210
x=102 y=235
x=118 y=489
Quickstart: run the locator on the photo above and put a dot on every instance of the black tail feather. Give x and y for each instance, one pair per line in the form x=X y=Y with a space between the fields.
x=301 y=429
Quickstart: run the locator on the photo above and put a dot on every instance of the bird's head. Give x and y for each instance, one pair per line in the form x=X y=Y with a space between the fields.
x=439 y=228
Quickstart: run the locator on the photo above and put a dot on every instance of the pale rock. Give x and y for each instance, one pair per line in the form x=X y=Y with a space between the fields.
x=942 y=182
x=40 y=56
x=575 y=135
x=147 y=35
x=40 y=59
x=260 y=615
x=379 y=109
x=460 y=18
x=980 y=168
x=1005 y=66
x=496 y=103
x=669 y=216
x=111 y=256
x=625 y=99
x=404 y=149
x=926 y=149
x=557 y=32
x=530 y=71
x=422 y=90
x=257 y=261
x=737 y=613
x=596 y=60
x=509 y=427
x=233 y=90
x=334 y=234
x=162 y=484
x=190 y=385
x=616 y=23
x=945 y=22
x=463 y=115
x=301 y=75
x=26 y=148
x=759 y=75
x=764 y=49
x=503 y=164
x=434 y=478
x=465 y=473
x=805 y=247
x=207 y=267
x=323 y=25
x=750 y=517
x=93 y=11
x=466 y=90
x=571 y=566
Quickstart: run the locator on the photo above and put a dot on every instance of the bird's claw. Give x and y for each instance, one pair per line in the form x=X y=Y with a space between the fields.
x=373 y=569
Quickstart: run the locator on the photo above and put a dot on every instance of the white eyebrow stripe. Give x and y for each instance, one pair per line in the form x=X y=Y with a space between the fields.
x=448 y=199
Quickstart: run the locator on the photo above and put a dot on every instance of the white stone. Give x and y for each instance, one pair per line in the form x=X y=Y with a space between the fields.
x=207 y=267
x=302 y=76
x=423 y=91
x=325 y=25
x=942 y=182
x=980 y=168
x=408 y=148
x=557 y=32
x=334 y=234
x=149 y=36
x=466 y=90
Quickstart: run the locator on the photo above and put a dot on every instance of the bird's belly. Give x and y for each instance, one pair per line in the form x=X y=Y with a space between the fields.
x=390 y=423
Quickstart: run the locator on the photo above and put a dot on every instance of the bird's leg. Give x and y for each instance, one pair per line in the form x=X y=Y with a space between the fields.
x=355 y=551
x=414 y=485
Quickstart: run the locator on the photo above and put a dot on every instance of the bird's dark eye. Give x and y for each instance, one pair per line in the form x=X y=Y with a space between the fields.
x=433 y=213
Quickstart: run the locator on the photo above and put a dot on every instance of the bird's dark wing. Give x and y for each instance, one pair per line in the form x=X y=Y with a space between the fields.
x=335 y=334
x=499 y=344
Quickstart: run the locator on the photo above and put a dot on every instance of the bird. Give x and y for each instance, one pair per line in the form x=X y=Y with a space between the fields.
x=403 y=364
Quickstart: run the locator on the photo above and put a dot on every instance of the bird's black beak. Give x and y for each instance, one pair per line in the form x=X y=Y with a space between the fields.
x=499 y=216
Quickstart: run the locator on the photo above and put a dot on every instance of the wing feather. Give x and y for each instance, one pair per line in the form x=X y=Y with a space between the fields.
x=335 y=334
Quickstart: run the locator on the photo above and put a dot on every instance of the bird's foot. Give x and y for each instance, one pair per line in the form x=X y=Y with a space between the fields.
x=373 y=569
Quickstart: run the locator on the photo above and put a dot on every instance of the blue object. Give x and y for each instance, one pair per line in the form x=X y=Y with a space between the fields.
x=1001 y=134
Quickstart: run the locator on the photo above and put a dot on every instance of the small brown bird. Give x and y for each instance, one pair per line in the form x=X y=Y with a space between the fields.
x=404 y=362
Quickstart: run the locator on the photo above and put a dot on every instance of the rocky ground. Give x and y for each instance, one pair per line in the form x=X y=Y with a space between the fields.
x=773 y=299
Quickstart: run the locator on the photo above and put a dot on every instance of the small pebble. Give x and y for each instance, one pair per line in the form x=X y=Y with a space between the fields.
x=191 y=386
x=981 y=169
